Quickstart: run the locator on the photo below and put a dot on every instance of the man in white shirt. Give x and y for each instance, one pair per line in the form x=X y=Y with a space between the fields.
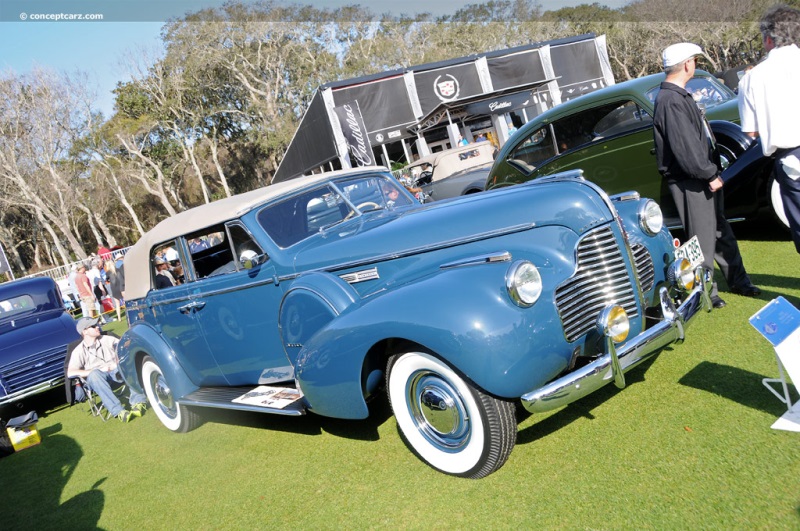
x=769 y=106
x=95 y=360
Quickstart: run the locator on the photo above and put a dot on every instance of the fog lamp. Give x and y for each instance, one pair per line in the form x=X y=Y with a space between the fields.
x=613 y=322
x=681 y=273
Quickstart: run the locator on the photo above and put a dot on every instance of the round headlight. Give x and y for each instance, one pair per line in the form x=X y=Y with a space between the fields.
x=613 y=322
x=681 y=273
x=650 y=218
x=524 y=283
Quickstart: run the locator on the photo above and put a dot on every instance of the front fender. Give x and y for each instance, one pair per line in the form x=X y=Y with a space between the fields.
x=463 y=315
x=142 y=340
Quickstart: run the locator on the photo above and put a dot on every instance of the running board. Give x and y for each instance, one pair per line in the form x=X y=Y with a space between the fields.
x=223 y=398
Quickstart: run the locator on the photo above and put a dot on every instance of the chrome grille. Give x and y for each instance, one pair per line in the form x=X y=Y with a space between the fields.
x=33 y=370
x=644 y=266
x=601 y=279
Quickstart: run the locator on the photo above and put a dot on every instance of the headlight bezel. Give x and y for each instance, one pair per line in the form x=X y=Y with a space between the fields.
x=524 y=283
x=651 y=218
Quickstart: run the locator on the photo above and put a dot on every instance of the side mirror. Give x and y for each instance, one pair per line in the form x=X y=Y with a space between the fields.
x=249 y=259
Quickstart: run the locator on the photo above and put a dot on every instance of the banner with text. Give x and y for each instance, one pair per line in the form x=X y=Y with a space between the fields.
x=355 y=133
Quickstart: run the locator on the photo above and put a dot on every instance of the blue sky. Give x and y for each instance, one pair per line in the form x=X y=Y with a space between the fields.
x=130 y=25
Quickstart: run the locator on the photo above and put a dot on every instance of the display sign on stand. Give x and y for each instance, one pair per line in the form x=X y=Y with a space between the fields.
x=779 y=323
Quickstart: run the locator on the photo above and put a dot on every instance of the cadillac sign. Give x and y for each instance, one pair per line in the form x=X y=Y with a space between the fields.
x=355 y=134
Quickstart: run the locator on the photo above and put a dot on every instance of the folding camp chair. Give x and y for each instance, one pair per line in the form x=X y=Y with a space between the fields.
x=78 y=389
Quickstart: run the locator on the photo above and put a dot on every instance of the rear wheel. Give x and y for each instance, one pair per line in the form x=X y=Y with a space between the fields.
x=171 y=413
x=453 y=426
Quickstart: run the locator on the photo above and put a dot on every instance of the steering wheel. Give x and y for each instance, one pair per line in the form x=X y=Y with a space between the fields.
x=368 y=205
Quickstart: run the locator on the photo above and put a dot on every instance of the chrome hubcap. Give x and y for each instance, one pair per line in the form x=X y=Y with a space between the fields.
x=438 y=411
x=163 y=395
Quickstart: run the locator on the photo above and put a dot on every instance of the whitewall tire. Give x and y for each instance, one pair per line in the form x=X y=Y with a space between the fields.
x=451 y=425
x=171 y=413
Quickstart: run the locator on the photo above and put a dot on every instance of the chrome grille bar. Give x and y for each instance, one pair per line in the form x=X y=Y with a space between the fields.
x=601 y=278
x=644 y=266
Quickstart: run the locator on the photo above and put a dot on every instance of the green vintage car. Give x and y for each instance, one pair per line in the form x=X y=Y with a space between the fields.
x=609 y=135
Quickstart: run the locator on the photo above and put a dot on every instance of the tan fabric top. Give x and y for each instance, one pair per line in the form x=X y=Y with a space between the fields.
x=137 y=264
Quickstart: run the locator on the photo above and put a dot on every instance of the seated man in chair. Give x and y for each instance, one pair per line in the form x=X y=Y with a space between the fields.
x=95 y=360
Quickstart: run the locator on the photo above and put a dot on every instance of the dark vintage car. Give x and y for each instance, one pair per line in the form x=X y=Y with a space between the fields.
x=35 y=330
x=315 y=294
x=609 y=135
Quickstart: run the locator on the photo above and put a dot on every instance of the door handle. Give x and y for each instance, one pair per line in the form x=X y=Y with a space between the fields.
x=194 y=305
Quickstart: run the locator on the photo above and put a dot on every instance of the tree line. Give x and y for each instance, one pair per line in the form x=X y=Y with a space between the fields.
x=212 y=115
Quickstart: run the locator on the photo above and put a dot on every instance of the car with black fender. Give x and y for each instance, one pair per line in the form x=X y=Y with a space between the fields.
x=35 y=329
x=317 y=294
x=608 y=134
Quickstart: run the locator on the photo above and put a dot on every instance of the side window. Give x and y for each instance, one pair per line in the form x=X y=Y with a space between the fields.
x=166 y=265
x=210 y=251
x=604 y=121
x=533 y=150
x=247 y=252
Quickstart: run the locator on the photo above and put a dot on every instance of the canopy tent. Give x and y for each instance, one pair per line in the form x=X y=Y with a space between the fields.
x=350 y=122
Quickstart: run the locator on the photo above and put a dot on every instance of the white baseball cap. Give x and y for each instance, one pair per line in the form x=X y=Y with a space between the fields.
x=677 y=53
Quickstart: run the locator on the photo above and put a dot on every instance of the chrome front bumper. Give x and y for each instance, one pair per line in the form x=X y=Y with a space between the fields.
x=616 y=362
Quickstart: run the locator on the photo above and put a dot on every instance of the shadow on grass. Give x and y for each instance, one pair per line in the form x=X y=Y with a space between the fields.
x=360 y=429
x=581 y=409
x=33 y=483
x=733 y=383
x=775 y=284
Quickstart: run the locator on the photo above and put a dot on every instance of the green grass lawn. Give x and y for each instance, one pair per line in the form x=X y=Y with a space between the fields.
x=687 y=445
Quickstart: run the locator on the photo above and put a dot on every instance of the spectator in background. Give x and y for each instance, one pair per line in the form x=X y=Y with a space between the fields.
x=511 y=128
x=98 y=286
x=115 y=284
x=481 y=138
x=197 y=244
x=73 y=273
x=85 y=291
x=103 y=252
x=769 y=105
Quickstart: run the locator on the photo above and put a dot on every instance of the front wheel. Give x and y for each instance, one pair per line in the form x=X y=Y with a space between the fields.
x=172 y=414
x=454 y=427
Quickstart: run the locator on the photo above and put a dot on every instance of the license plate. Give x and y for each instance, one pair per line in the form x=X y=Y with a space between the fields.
x=691 y=251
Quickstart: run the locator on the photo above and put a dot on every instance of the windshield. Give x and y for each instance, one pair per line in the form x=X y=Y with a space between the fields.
x=299 y=217
x=26 y=304
x=705 y=90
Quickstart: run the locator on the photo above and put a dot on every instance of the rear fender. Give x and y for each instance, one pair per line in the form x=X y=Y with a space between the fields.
x=312 y=302
x=141 y=340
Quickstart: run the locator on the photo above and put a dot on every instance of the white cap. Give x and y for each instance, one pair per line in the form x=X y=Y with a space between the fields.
x=678 y=53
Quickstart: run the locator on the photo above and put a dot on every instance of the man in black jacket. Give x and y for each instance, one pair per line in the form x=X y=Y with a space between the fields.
x=685 y=154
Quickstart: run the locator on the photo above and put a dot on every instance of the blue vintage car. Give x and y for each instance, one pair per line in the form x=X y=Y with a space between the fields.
x=315 y=294
x=35 y=330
